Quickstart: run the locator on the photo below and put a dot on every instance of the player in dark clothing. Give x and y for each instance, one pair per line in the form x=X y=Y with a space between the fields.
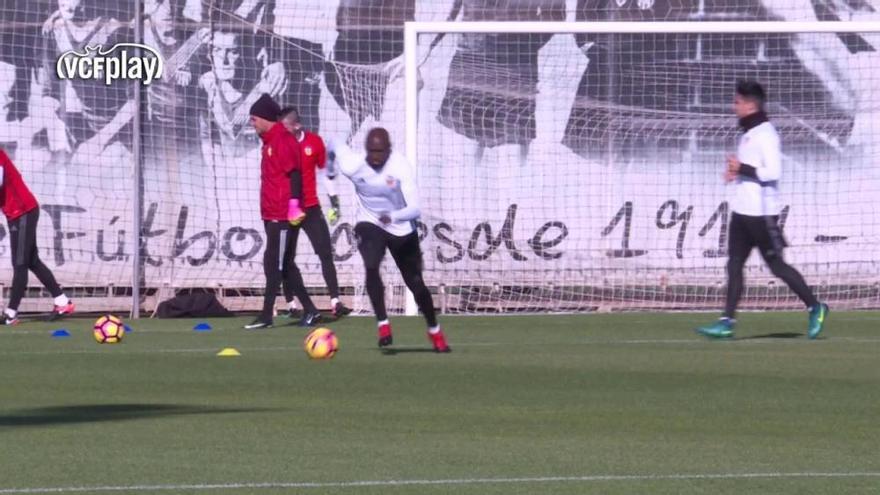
x=313 y=160
x=280 y=193
x=22 y=214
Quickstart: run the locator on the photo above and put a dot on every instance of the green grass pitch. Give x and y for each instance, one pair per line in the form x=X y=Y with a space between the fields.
x=610 y=404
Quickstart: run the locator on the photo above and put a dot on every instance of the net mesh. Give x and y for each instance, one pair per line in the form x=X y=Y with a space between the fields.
x=558 y=172
x=584 y=172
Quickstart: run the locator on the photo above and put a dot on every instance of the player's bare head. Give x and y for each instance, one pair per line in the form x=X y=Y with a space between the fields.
x=749 y=98
x=378 y=147
x=289 y=116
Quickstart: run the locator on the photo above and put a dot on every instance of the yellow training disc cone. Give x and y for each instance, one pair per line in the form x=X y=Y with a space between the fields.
x=229 y=351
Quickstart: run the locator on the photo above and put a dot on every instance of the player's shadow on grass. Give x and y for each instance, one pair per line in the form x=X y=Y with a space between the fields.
x=326 y=319
x=94 y=413
x=775 y=335
x=393 y=351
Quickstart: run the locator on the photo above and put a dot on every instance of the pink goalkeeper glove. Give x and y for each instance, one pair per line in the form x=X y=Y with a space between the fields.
x=295 y=214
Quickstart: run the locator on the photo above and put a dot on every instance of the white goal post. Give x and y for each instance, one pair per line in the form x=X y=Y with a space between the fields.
x=837 y=257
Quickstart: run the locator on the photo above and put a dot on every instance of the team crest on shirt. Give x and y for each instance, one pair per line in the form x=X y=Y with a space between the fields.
x=391 y=181
x=307 y=150
x=269 y=151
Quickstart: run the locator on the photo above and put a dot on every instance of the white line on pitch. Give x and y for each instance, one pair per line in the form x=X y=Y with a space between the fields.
x=439 y=482
x=461 y=344
x=145 y=351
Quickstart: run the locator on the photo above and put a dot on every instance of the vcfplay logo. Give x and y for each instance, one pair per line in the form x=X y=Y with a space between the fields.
x=97 y=63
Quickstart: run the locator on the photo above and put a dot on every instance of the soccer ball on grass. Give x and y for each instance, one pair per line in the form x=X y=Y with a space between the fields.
x=108 y=329
x=321 y=343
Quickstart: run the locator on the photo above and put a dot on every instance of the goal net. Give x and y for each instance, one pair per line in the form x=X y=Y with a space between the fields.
x=562 y=166
x=577 y=166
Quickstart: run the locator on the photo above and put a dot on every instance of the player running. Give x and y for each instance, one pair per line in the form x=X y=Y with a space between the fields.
x=756 y=169
x=387 y=208
x=22 y=214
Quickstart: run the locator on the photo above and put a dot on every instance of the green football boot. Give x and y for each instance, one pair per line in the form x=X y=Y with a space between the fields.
x=817 y=320
x=721 y=329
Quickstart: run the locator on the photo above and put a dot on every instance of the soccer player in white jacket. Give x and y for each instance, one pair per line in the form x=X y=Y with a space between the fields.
x=756 y=170
x=387 y=209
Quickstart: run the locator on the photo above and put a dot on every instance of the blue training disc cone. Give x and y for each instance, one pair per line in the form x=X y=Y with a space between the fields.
x=202 y=327
x=60 y=333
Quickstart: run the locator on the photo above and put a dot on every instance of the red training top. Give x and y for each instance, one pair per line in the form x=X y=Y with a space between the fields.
x=15 y=197
x=281 y=156
x=314 y=156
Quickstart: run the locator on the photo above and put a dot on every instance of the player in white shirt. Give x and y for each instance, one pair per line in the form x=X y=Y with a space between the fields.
x=756 y=170
x=388 y=206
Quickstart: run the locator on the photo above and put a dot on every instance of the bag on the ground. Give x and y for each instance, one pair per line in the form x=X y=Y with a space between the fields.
x=192 y=306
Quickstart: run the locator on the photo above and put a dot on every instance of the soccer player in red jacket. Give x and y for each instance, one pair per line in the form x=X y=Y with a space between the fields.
x=313 y=162
x=280 y=206
x=22 y=214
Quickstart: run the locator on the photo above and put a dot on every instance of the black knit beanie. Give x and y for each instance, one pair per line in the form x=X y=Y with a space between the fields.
x=266 y=108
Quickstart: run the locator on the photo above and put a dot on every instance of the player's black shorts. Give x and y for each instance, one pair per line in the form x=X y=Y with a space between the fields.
x=316 y=229
x=23 y=237
x=747 y=232
x=373 y=240
x=277 y=232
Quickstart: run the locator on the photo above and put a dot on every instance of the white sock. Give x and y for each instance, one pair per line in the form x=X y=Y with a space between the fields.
x=10 y=312
x=434 y=330
x=292 y=304
x=384 y=322
x=334 y=301
x=61 y=300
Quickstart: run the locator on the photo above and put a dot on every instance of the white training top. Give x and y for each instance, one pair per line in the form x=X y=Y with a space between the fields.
x=390 y=191
x=759 y=147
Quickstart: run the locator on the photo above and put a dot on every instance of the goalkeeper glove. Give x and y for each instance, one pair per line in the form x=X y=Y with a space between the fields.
x=334 y=212
x=295 y=214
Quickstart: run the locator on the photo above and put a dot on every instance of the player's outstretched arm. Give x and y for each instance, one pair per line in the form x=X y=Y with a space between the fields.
x=346 y=160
